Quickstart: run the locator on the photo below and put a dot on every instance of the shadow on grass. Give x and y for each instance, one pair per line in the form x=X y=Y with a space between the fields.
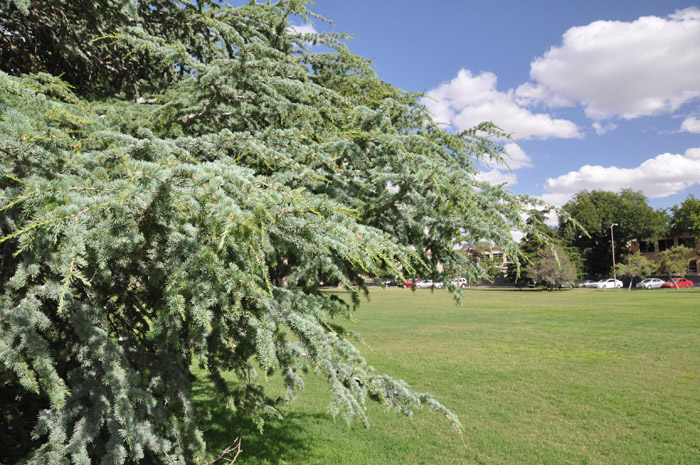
x=282 y=440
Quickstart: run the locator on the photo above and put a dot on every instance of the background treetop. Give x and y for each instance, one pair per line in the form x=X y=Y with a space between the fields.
x=685 y=218
x=596 y=211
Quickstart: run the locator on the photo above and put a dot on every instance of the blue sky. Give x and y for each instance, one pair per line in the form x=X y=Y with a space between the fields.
x=599 y=94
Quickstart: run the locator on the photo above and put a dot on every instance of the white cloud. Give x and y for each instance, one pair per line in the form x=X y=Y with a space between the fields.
x=691 y=125
x=551 y=218
x=661 y=176
x=468 y=100
x=514 y=158
x=602 y=129
x=517 y=235
x=497 y=177
x=557 y=199
x=626 y=69
x=306 y=28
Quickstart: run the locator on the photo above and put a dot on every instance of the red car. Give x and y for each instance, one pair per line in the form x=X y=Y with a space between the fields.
x=681 y=282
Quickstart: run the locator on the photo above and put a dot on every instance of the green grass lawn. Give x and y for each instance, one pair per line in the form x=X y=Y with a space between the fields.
x=583 y=376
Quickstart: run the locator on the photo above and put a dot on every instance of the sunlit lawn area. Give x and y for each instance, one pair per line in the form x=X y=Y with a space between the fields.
x=582 y=376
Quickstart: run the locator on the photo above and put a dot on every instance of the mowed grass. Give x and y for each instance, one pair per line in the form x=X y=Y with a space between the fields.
x=583 y=376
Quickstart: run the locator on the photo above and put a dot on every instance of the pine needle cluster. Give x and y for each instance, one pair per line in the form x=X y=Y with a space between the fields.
x=177 y=180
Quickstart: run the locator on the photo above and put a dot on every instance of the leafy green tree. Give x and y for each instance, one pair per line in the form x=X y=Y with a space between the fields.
x=176 y=178
x=685 y=218
x=492 y=265
x=541 y=233
x=539 y=236
x=481 y=253
x=552 y=268
x=596 y=211
x=531 y=243
x=674 y=262
x=636 y=265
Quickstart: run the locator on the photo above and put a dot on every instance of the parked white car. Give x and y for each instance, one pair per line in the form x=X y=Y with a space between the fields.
x=609 y=284
x=460 y=282
x=650 y=283
x=427 y=283
x=588 y=283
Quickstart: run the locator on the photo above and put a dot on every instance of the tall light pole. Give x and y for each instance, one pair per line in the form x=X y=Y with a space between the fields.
x=612 y=241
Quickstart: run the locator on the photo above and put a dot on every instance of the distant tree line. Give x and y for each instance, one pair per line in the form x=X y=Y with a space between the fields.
x=581 y=243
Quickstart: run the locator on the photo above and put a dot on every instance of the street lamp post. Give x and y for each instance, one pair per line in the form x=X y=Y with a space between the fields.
x=612 y=241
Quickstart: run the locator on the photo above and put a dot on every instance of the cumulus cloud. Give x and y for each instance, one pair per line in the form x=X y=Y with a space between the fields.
x=691 y=125
x=468 y=100
x=557 y=199
x=306 y=28
x=603 y=129
x=625 y=69
x=502 y=172
x=517 y=235
x=514 y=158
x=497 y=177
x=661 y=176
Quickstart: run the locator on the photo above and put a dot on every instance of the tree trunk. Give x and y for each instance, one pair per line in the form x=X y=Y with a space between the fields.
x=673 y=281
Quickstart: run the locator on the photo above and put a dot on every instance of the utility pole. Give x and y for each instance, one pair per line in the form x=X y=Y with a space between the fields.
x=612 y=241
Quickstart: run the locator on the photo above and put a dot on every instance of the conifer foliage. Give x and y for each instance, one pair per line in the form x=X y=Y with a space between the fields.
x=177 y=179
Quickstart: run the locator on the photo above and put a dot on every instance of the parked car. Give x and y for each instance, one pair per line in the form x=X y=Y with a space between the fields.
x=650 y=283
x=460 y=282
x=409 y=283
x=427 y=283
x=609 y=284
x=680 y=282
x=588 y=283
